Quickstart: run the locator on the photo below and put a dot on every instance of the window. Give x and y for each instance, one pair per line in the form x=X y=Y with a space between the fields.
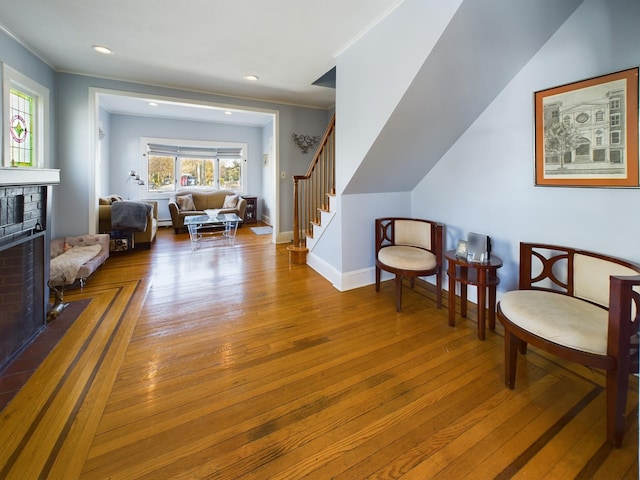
x=614 y=104
x=615 y=138
x=25 y=104
x=614 y=120
x=21 y=129
x=171 y=167
x=599 y=116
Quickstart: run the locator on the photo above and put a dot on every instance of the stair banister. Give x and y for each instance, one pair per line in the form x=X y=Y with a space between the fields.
x=311 y=194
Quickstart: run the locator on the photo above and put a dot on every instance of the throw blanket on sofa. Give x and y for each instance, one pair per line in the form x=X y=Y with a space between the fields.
x=130 y=215
x=68 y=264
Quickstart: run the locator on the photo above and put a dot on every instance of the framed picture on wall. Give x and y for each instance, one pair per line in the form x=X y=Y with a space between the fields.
x=586 y=133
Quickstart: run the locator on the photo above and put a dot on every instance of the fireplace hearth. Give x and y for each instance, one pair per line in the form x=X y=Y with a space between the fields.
x=25 y=196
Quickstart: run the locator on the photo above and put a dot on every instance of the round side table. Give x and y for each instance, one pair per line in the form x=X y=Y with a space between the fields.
x=484 y=276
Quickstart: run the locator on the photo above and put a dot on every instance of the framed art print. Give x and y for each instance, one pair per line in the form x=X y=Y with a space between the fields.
x=586 y=133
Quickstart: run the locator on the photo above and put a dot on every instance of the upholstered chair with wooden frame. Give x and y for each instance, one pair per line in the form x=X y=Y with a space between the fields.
x=580 y=306
x=409 y=247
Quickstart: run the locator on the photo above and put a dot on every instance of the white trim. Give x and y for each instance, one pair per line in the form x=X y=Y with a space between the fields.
x=344 y=281
x=349 y=280
x=95 y=92
x=13 y=78
x=29 y=176
x=283 y=237
x=94 y=171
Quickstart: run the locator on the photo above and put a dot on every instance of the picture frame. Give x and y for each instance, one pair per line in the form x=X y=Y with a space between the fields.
x=478 y=248
x=461 y=250
x=586 y=132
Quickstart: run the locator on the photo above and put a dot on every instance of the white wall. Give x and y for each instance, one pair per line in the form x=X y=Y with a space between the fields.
x=485 y=182
x=373 y=74
x=267 y=200
x=102 y=168
x=355 y=225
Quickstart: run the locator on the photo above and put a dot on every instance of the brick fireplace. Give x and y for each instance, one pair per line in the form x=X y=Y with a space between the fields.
x=25 y=206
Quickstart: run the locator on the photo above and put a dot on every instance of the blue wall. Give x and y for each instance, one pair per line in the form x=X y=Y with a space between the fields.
x=124 y=146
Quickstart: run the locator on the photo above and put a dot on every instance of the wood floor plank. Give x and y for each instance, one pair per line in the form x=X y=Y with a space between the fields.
x=230 y=363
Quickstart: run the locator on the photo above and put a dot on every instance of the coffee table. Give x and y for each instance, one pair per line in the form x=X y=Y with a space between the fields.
x=201 y=226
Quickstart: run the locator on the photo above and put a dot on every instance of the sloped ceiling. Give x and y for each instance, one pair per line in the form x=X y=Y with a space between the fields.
x=484 y=46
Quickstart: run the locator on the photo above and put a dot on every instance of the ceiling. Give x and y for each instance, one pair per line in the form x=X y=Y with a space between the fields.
x=199 y=45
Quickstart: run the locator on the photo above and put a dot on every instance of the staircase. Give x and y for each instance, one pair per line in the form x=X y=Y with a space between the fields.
x=312 y=196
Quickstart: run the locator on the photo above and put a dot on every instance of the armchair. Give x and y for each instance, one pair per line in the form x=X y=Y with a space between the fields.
x=145 y=238
x=580 y=306
x=409 y=247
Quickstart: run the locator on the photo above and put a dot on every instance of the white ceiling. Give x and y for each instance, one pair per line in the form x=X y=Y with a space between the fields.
x=199 y=45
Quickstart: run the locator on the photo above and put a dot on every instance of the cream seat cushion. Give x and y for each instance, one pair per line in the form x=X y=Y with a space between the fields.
x=558 y=318
x=407 y=258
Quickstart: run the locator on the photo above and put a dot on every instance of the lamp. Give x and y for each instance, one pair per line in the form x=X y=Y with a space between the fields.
x=305 y=142
x=133 y=177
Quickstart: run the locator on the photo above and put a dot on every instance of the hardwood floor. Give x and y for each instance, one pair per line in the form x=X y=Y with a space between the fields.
x=230 y=363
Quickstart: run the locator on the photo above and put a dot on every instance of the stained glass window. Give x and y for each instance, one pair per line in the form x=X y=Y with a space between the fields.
x=25 y=106
x=21 y=126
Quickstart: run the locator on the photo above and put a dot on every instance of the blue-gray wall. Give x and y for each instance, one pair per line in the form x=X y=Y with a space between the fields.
x=124 y=145
x=22 y=60
x=76 y=144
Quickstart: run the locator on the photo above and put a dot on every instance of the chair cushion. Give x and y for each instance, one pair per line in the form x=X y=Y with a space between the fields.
x=407 y=258
x=591 y=277
x=559 y=318
x=412 y=233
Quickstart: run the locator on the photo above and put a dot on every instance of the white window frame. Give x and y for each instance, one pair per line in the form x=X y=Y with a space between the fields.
x=615 y=120
x=144 y=166
x=615 y=137
x=14 y=79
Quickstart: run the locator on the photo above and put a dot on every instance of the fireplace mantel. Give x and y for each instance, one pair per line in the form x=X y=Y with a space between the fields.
x=29 y=176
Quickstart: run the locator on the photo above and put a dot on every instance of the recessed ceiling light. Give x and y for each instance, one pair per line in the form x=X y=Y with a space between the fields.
x=102 y=49
x=253 y=78
x=228 y=113
x=153 y=104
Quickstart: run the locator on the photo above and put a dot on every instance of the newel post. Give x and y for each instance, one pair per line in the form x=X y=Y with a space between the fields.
x=297 y=251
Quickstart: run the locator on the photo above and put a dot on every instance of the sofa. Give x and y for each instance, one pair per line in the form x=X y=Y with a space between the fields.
x=192 y=201
x=76 y=258
x=140 y=238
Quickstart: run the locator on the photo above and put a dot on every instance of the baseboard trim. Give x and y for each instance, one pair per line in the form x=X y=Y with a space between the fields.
x=350 y=280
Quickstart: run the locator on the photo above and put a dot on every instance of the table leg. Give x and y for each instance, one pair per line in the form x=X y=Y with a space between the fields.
x=482 y=302
x=463 y=292
x=452 y=294
x=193 y=235
x=492 y=308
